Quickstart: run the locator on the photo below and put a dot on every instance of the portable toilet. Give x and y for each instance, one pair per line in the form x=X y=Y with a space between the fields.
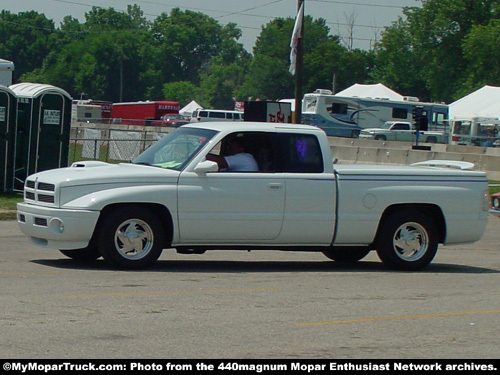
x=43 y=129
x=8 y=112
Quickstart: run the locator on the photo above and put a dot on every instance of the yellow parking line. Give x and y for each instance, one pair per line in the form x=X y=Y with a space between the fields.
x=168 y=292
x=398 y=318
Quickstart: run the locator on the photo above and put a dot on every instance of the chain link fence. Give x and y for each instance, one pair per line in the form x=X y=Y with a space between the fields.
x=112 y=144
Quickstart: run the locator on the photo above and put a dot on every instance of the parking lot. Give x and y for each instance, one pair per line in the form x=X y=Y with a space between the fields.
x=260 y=304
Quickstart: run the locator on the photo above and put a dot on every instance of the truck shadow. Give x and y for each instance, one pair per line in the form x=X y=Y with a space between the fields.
x=218 y=266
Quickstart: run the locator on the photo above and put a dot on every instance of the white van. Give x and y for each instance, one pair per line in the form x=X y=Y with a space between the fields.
x=201 y=115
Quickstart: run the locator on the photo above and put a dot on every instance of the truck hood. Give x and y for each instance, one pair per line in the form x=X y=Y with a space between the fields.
x=91 y=172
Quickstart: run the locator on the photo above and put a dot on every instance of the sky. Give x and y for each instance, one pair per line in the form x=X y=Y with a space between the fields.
x=368 y=16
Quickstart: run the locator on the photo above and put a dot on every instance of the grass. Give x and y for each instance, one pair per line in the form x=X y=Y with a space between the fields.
x=8 y=201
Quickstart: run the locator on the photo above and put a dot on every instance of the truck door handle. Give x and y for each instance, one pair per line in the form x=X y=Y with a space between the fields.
x=275 y=186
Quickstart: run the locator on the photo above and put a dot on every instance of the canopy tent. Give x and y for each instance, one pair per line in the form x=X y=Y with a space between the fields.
x=188 y=109
x=484 y=102
x=375 y=91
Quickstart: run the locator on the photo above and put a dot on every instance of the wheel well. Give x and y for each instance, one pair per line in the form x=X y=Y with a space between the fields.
x=161 y=211
x=432 y=211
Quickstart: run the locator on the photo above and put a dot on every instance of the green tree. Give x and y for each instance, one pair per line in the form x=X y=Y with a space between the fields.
x=482 y=53
x=182 y=92
x=102 y=58
x=26 y=39
x=423 y=54
x=184 y=42
x=324 y=57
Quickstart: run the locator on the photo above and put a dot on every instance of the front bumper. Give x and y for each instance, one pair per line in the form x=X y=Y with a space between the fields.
x=57 y=228
x=495 y=212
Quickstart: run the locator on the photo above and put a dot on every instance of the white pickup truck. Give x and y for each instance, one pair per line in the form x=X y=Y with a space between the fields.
x=402 y=131
x=171 y=196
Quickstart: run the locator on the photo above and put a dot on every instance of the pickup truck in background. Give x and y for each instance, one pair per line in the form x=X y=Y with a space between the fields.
x=172 y=196
x=402 y=131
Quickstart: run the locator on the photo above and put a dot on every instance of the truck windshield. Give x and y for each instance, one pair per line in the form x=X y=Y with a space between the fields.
x=176 y=149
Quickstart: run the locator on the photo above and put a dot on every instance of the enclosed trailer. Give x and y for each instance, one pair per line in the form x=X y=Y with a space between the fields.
x=142 y=113
x=43 y=129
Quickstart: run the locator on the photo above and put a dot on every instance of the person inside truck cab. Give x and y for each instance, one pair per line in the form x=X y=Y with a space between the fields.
x=235 y=159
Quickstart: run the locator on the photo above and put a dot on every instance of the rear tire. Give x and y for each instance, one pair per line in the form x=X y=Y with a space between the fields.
x=131 y=237
x=346 y=254
x=407 y=240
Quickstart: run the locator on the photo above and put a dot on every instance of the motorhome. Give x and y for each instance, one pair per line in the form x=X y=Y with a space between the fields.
x=346 y=116
x=475 y=131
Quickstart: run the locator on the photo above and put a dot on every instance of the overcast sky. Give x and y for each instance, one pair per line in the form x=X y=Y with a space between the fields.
x=370 y=16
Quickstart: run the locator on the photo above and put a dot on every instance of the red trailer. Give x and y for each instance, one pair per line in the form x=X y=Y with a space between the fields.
x=142 y=113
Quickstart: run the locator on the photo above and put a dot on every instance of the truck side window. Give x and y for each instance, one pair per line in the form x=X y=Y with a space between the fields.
x=401 y=127
x=302 y=154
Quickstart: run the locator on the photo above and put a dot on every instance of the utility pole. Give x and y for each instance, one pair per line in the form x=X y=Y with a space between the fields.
x=299 y=70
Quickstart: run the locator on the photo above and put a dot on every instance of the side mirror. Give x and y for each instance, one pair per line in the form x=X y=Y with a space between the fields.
x=206 y=167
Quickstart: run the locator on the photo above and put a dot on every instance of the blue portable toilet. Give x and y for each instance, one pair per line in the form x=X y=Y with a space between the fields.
x=43 y=129
x=8 y=113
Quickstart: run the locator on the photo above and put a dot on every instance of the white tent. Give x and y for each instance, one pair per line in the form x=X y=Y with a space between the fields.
x=188 y=109
x=484 y=102
x=375 y=91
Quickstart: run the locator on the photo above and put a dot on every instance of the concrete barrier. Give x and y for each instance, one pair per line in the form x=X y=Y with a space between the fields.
x=364 y=151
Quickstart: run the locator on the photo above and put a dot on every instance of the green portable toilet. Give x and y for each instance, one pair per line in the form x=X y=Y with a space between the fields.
x=8 y=112
x=43 y=129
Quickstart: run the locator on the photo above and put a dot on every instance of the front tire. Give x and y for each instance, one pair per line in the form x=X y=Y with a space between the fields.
x=407 y=241
x=131 y=237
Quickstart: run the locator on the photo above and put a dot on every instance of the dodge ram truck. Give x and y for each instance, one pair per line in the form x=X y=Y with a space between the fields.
x=173 y=197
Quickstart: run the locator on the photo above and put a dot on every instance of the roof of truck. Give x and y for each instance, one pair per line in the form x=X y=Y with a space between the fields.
x=248 y=125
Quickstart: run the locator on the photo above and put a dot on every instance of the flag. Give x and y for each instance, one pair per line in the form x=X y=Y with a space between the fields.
x=297 y=31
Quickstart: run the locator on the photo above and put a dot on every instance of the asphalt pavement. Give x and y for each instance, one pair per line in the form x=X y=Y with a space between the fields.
x=259 y=304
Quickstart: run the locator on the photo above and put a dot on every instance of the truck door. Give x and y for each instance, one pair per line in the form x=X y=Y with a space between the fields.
x=231 y=206
x=402 y=132
x=310 y=192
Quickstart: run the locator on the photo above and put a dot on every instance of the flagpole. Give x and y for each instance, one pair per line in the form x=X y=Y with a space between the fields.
x=299 y=69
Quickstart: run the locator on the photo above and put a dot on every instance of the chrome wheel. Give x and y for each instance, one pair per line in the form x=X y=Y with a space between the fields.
x=131 y=237
x=407 y=240
x=411 y=241
x=134 y=239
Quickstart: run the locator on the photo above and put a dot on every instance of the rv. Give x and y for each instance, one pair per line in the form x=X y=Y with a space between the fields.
x=344 y=116
x=475 y=131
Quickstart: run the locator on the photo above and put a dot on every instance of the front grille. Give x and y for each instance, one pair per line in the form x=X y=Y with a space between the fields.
x=41 y=192
x=45 y=186
x=46 y=198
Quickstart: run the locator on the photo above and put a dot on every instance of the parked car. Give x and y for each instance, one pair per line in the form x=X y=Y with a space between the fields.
x=174 y=120
x=495 y=204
